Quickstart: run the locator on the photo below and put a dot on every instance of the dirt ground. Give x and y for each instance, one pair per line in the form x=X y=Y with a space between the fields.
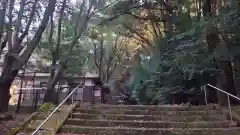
x=5 y=126
x=25 y=112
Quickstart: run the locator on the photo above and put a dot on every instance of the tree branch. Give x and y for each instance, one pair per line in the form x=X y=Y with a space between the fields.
x=34 y=9
x=139 y=35
x=34 y=42
x=59 y=29
x=11 y=5
x=3 y=43
x=18 y=22
x=3 y=8
x=80 y=13
x=95 y=55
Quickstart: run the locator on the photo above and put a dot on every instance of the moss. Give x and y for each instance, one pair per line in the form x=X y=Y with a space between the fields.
x=46 y=107
x=54 y=123
x=146 y=131
x=109 y=131
x=30 y=122
x=27 y=120
x=13 y=131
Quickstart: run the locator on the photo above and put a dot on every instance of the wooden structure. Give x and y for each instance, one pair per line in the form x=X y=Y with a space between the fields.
x=93 y=93
x=30 y=89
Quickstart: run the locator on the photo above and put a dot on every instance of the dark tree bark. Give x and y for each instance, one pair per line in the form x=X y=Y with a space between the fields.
x=100 y=69
x=13 y=61
x=225 y=80
x=207 y=10
x=3 y=8
x=6 y=80
x=50 y=95
x=50 y=41
x=228 y=83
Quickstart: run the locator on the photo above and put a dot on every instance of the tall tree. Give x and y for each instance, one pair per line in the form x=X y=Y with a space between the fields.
x=109 y=56
x=86 y=10
x=215 y=42
x=83 y=15
x=14 y=58
x=3 y=9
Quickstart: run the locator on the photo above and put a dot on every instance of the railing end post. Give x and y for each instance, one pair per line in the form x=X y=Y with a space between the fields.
x=230 y=109
x=205 y=94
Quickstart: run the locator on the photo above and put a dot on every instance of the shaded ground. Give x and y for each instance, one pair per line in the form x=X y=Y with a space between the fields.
x=53 y=123
x=70 y=134
x=3 y=129
x=5 y=126
x=17 y=120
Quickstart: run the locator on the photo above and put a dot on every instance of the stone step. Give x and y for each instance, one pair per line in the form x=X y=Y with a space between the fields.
x=146 y=112
x=148 y=124
x=235 y=107
x=28 y=131
x=151 y=107
x=53 y=123
x=147 y=131
x=146 y=117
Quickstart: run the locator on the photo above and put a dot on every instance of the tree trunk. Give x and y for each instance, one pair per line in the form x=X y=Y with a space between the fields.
x=100 y=69
x=225 y=80
x=6 y=80
x=13 y=61
x=168 y=19
x=3 y=9
x=53 y=67
x=50 y=41
x=50 y=92
x=228 y=84
x=221 y=98
x=207 y=9
x=49 y=97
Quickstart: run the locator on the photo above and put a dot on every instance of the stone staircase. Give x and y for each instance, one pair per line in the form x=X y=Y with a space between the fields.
x=148 y=120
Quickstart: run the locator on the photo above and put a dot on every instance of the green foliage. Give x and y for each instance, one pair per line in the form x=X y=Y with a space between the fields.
x=182 y=64
x=168 y=73
x=177 y=64
x=46 y=107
